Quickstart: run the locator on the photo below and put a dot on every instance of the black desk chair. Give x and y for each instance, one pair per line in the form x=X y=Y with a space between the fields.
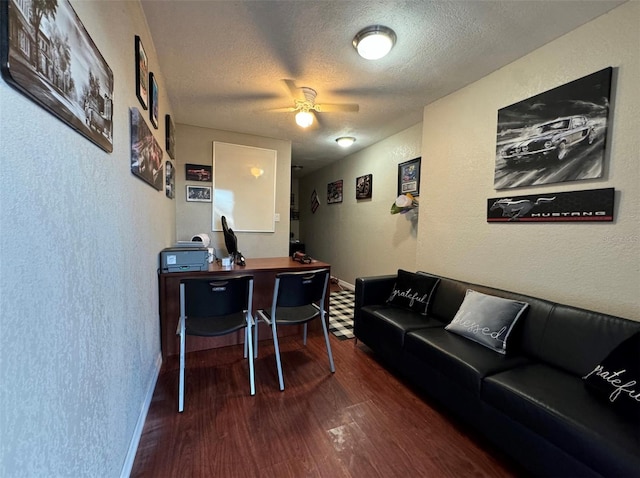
x=298 y=297
x=212 y=307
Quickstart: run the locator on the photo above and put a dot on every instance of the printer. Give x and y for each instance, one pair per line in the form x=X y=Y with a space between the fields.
x=184 y=259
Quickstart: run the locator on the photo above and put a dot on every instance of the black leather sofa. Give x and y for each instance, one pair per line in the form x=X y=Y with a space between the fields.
x=531 y=403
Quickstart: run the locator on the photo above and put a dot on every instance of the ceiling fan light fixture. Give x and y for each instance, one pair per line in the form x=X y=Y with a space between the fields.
x=345 y=141
x=374 y=42
x=304 y=119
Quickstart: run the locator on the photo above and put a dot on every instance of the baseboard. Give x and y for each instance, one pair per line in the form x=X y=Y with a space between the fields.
x=137 y=432
x=346 y=285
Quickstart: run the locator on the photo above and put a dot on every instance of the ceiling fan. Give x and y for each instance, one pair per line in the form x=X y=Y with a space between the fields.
x=305 y=105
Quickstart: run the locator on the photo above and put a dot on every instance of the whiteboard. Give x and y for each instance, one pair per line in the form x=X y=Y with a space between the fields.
x=244 y=183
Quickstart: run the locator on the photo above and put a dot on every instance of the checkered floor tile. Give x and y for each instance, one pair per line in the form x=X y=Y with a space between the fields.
x=341 y=314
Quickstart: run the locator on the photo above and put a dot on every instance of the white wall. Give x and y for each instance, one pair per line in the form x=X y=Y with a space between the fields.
x=591 y=265
x=194 y=145
x=79 y=243
x=362 y=238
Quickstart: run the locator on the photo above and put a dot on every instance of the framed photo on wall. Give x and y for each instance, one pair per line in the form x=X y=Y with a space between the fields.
x=153 y=100
x=409 y=177
x=76 y=87
x=334 y=192
x=198 y=172
x=170 y=179
x=199 y=193
x=146 y=153
x=170 y=136
x=142 y=74
x=364 y=186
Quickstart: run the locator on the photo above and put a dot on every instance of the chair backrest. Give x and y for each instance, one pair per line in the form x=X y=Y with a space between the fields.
x=218 y=295
x=294 y=289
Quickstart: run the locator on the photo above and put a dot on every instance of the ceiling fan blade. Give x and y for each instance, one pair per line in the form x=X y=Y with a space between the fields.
x=337 y=107
x=293 y=90
x=286 y=109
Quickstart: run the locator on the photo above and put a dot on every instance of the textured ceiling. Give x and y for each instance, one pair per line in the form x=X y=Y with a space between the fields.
x=224 y=61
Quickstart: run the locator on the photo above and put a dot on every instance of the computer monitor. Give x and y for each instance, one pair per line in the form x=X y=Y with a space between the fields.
x=231 y=243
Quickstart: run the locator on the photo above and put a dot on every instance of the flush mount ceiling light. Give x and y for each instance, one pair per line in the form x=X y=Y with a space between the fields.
x=374 y=42
x=304 y=118
x=346 y=141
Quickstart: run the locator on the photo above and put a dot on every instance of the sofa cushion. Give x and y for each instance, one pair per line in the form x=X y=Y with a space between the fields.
x=456 y=357
x=486 y=319
x=555 y=405
x=413 y=291
x=383 y=327
x=616 y=380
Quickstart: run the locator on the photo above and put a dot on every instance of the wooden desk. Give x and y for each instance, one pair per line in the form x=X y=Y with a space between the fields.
x=264 y=275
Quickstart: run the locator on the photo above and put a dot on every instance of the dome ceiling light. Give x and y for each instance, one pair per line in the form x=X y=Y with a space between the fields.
x=374 y=42
x=346 y=141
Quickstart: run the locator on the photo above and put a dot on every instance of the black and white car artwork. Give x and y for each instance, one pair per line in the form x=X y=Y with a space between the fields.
x=553 y=138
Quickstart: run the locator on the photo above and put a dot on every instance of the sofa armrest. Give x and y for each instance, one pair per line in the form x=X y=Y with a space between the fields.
x=373 y=290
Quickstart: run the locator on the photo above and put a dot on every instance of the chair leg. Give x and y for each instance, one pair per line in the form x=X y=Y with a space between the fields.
x=332 y=367
x=182 y=360
x=249 y=345
x=255 y=338
x=246 y=336
x=277 y=350
x=304 y=334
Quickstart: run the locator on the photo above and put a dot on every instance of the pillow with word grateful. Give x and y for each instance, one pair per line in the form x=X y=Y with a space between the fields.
x=486 y=319
x=413 y=291
x=616 y=380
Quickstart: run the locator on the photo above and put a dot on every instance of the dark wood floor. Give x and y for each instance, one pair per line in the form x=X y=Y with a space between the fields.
x=359 y=422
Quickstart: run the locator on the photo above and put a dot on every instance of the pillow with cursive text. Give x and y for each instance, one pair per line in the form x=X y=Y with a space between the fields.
x=486 y=319
x=413 y=291
x=617 y=378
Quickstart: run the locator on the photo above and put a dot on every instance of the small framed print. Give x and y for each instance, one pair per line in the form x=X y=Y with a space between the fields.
x=409 y=177
x=334 y=192
x=170 y=134
x=142 y=74
x=197 y=172
x=364 y=186
x=170 y=179
x=199 y=193
x=153 y=100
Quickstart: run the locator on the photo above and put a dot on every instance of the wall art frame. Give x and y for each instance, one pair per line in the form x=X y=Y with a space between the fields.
x=556 y=136
x=198 y=193
x=169 y=179
x=58 y=67
x=146 y=153
x=595 y=205
x=409 y=177
x=154 y=106
x=170 y=136
x=198 y=172
x=142 y=73
x=364 y=186
x=334 y=192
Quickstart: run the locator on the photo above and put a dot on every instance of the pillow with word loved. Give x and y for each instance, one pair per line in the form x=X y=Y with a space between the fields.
x=617 y=378
x=413 y=291
x=487 y=319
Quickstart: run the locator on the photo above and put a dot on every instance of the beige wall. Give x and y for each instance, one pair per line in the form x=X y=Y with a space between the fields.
x=79 y=243
x=194 y=145
x=361 y=238
x=595 y=266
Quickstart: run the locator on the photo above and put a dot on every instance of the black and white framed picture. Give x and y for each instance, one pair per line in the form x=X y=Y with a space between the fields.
x=47 y=55
x=409 y=177
x=364 y=186
x=197 y=172
x=170 y=136
x=146 y=153
x=555 y=136
x=198 y=193
x=142 y=73
x=170 y=179
x=334 y=192
x=153 y=100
